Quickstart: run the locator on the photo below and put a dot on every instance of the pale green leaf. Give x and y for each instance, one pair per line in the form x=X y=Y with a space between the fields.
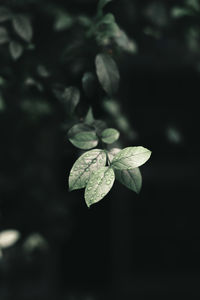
x=107 y=73
x=85 y=140
x=110 y=135
x=99 y=185
x=8 y=238
x=132 y=179
x=131 y=157
x=82 y=169
x=16 y=49
x=5 y=14
x=4 y=37
x=78 y=128
x=23 y=27
x=89 y=118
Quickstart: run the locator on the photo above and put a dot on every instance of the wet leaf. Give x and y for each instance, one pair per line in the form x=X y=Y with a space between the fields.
x=82 y=169
x=99 y=185
x=8 y=238
x=131 y=157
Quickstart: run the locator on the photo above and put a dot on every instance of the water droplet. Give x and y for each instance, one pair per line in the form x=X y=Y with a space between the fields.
x=103 y=194
x=89 y=188
x=108 y=182
x=94 y=161
x=87 y=170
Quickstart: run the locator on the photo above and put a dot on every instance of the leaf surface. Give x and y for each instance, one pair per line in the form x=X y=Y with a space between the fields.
x=85 y=140
x=107 y=73
x=110 y=135
x=131 y=157
x=82 y=169
x=132 y=179
x=99 y=185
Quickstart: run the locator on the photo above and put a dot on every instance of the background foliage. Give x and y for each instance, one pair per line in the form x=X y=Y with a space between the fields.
x=64 y=251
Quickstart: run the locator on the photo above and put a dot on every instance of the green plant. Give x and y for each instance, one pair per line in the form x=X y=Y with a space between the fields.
x=96 y=170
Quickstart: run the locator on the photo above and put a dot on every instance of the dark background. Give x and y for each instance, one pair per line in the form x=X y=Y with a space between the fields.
x=127 y=246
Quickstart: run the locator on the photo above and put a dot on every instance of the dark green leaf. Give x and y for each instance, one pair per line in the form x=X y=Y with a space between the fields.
x=85 y=140
x=99 y=185
x=71 y=97
x=5 y=14
x=101 y=5
x=131 y=157
x=89 y=118
x=107 y=73
x=132 y=179
x=22 y=26
x=82 y=169
x=16 y=49
x=110 y=135
x=88 y=83
x=4 y=37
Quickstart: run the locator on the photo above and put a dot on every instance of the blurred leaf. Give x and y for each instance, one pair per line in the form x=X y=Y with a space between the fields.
x=88 y=83
x=36 y=107
x=71 y=98
x=35 y=241
x=42 y=71
x=124 y=42
x=84 y=166
x=99 y=185
x=179 y=12
x=2 y=103
x=8 y=238
x=107 y=73
x=63 y=21
x=131 y=157
x=110 y=135
x=23 y=27
x=16 y=49
x=89 y=118
x=84 y=140
x=5 y=14
x=4 y=37
x=132 y=179
x=101 y=5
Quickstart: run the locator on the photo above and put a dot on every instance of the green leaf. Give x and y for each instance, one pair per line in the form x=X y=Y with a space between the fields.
x=88 y=83
x=71 y=97
x=4 y=37
x=78 y=128
x=132 y=179
x=85 y=140
x=99 y=185
x=124 y=42
x=5 y=14
x=131 y=157
x=107 y=73
x=82 y=169
x=22 y=26
x=16 y=49
x=89 y=118
x=110 y=135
